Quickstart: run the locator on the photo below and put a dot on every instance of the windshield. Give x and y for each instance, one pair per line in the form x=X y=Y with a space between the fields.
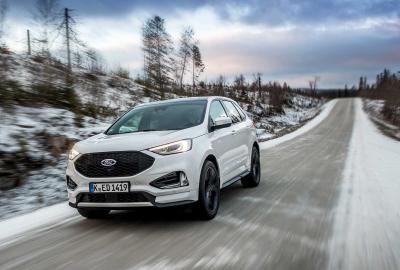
x=165 y=116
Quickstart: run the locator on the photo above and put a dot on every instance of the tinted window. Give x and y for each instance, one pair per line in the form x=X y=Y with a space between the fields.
x=164 y=116
x=242 y=115
x=216 y=110
x=232 y=111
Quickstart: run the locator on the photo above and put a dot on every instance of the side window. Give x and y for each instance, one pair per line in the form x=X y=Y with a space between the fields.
x=232 y=111
x=216 y=110
x=242 y=115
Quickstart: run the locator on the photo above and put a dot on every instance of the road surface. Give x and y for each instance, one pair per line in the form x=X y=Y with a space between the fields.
x=288 y=222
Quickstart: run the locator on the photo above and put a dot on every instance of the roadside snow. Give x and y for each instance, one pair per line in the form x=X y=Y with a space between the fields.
x=42 y=188
x=273 y=125
x=367 y=222
x=374 y=108
x=14 y=227
x=26 y=122
x=326 y=109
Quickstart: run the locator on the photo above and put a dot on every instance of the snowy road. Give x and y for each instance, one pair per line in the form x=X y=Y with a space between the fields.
x=329 y=199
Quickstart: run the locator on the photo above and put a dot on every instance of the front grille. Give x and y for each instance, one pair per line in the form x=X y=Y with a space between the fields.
x=127 y=164
x=112 y=197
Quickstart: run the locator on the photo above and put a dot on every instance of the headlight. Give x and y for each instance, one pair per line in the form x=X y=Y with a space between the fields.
x=72 y=153
x=172 y=148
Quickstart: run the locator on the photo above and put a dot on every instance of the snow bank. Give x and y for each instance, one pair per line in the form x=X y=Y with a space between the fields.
x=367 y=222
x=10 y=229
x=326 y=109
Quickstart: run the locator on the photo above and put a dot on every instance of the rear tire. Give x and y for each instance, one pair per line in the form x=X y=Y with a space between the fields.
x=209 y=192
x=253 y=178
x=93 y=213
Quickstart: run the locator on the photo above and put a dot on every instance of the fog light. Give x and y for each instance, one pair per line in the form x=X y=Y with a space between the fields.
x=184 y=181
x=70 y=183
x=171 y=180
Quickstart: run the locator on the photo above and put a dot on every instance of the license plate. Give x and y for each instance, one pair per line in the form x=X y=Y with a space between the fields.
x=109 y=187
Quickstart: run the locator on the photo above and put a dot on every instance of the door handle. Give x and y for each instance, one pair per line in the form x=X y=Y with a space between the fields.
x=233 y=132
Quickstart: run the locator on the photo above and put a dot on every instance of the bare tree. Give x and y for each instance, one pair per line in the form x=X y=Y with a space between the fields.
x=255 y=87
x=239 y=86
x=220 y=85
x=3 y=12
x=45 y=15
x=258 y=78
x=77 y=59
x=313 y=84
x=93 y=61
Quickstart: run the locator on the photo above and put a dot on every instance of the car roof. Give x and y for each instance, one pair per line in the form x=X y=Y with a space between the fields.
x=208 y=98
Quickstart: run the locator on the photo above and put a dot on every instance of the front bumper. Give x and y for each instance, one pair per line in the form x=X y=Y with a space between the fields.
x=140 y=183
x=145 y=201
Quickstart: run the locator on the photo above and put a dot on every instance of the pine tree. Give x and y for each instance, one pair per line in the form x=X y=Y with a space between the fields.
x=361 y=84
x=157 y=47
x=197 y=65
x=184 y=53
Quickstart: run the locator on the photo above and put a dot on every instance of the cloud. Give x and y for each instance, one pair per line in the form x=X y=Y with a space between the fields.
x=289 y=40
x=335 y=56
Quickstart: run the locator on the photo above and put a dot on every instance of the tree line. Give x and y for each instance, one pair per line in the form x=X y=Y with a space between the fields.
x=387 y=88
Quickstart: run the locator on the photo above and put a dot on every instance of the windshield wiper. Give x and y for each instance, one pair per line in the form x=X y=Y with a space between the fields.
x=149 y=129
x=152 y=129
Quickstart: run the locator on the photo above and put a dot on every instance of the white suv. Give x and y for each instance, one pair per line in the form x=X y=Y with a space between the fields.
x=165 y=153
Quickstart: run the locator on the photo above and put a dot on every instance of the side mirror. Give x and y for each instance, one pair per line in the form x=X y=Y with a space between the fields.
x=221 y=122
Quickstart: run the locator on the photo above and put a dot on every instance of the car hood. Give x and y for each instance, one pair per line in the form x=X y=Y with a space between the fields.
x=136 y=141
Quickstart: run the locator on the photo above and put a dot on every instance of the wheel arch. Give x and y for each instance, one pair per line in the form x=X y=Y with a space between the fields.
x=213 y=159
x=255 y=144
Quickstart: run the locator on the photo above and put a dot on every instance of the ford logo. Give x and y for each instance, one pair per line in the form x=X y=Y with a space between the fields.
x=108 y=162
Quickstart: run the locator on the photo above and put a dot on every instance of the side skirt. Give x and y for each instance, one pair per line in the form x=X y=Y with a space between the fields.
x=235 y=179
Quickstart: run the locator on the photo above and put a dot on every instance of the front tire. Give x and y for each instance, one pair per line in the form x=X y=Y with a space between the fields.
x=93 y=213
x=253 y=178
x=209 y=192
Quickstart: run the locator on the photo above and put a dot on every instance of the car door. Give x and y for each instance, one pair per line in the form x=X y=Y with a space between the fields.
x=222 y=143
x=240 y=137
x=248 y=133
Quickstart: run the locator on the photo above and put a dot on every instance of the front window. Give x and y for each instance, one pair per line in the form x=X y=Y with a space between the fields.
x=174 y=115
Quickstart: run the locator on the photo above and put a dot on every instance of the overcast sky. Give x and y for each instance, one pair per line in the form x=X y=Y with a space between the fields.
x=289 y=40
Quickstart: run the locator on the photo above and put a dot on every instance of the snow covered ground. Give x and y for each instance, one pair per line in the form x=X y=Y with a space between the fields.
x=367 y=234
x=301 y=110
x=27 y=122
x=325 y=110
x=374 y=109
x=42 y=134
